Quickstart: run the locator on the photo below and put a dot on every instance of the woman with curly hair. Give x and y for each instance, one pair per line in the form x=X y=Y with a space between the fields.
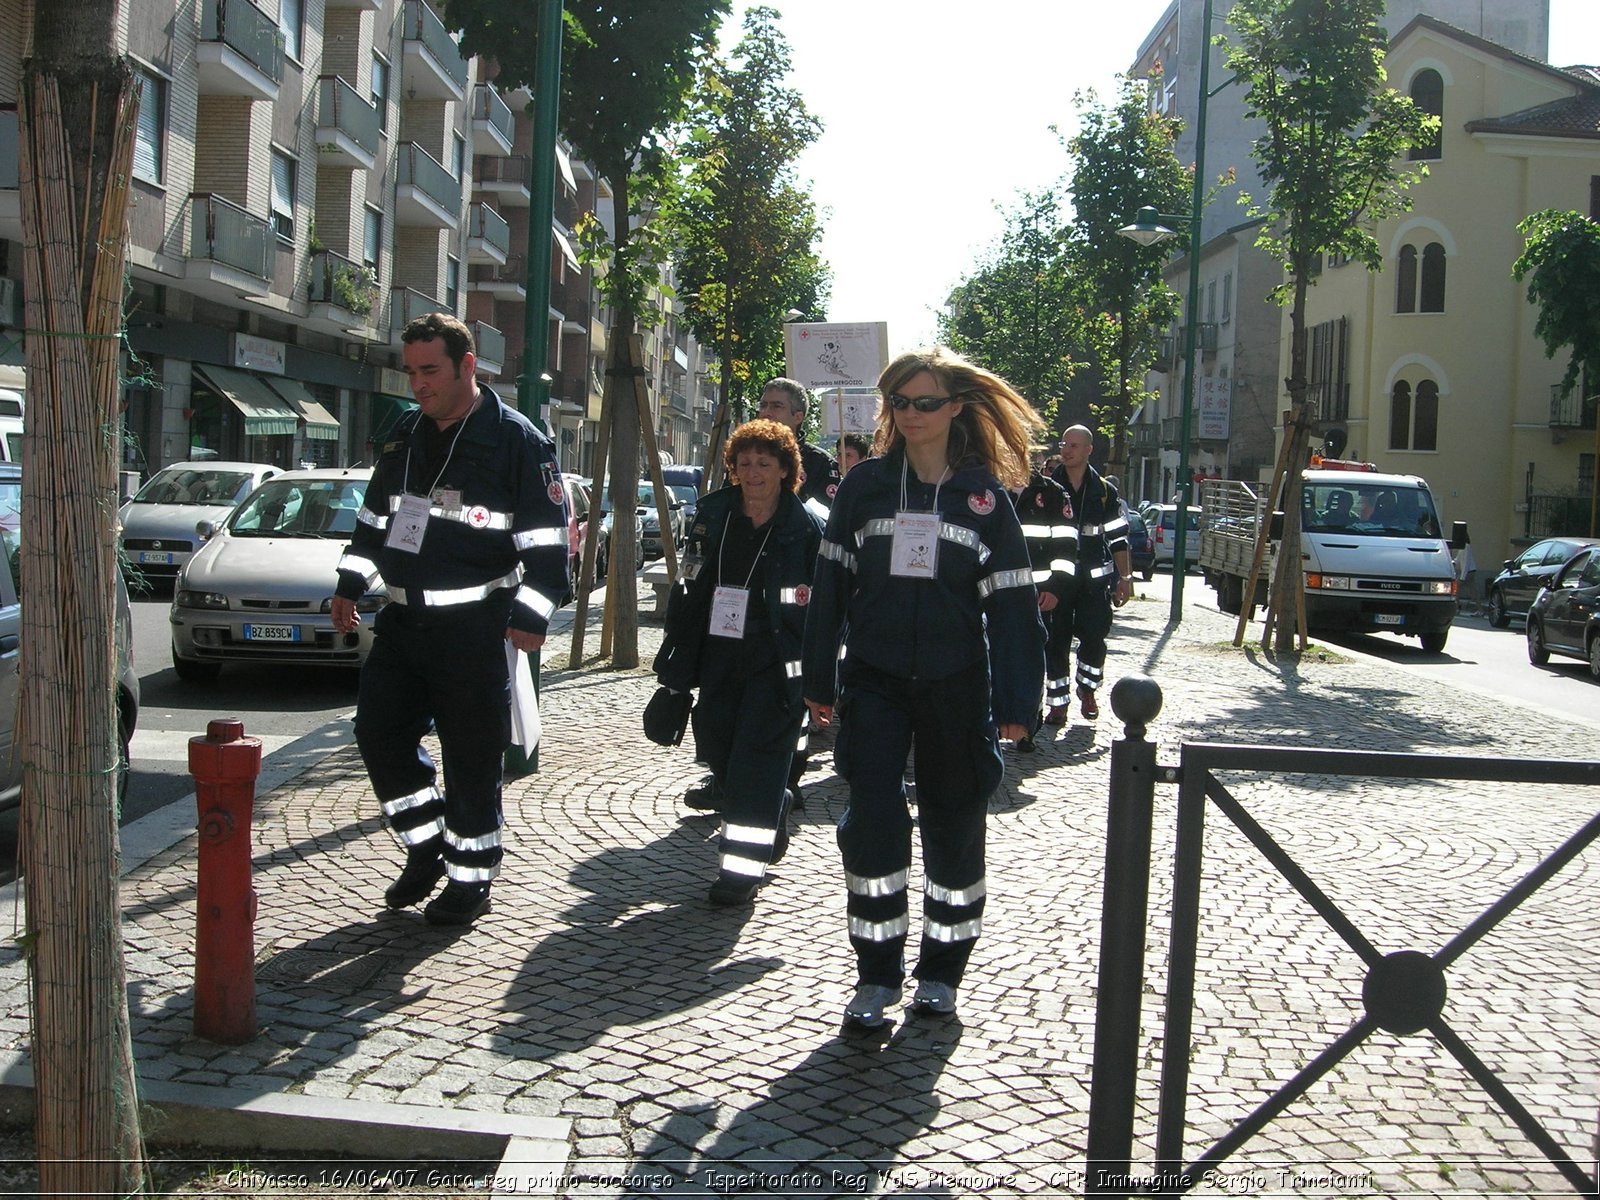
x=924 y=574
x=734 y=627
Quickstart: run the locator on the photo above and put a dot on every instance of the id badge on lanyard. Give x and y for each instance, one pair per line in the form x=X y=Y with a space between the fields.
x=729 y=607
x=914 y=553
x=408 y=525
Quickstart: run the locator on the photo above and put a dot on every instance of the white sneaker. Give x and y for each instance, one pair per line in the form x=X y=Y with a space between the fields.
x=866 y=1006
x=934 y=999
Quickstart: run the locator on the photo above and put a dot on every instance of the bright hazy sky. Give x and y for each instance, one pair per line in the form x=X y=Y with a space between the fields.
x=938 y=111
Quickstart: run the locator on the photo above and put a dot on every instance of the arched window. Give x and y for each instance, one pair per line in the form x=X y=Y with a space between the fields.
x=1400 y=416
x=1427 y=92
x=1405 y=292
x=1432 y=278
x=1425 y=431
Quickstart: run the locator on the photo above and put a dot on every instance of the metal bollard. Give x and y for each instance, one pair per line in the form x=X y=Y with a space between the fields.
x=1136 y=699
x=225 y=765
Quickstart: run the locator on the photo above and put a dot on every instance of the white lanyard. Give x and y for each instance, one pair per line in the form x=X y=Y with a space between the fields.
x=914 y=549
x=730 y=605
x=410 y=521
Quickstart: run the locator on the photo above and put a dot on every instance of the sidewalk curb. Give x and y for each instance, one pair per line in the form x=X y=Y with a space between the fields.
x=231 y=1118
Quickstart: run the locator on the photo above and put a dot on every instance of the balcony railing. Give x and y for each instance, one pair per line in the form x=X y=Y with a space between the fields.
x=506 y=177
x=223 y=232
x=9 y=149
x=1145 y=437
x=337 y=280
x=1557 y=516
x=490 y=341
x=243 y=27
x=423 y=26
x=1571 y=411
x=340 y=107
x=513 y=273
x=406 y=305
x=1172 y=429
x=419 y=169
x=494 y=114
x=489 y=227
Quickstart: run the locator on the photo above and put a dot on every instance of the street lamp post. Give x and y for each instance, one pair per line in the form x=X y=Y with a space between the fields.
x=1147 y=230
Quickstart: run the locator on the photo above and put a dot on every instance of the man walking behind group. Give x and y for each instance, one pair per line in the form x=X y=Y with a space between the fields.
x=1104 y=579
x=465 y=523
x=785 y=401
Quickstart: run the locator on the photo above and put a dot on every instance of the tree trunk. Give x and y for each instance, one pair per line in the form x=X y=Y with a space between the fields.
x=624 y=452
x=1287 y=597
x=76 y=121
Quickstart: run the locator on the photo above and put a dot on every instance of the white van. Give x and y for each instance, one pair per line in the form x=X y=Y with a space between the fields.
x=10 y=425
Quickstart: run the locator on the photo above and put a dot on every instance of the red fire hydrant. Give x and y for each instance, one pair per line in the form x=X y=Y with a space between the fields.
x=225 y=765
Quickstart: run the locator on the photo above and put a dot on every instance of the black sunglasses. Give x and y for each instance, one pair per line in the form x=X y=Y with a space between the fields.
x=923 y=404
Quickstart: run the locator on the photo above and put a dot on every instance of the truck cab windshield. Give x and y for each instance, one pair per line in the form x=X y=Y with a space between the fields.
x=1374 y=510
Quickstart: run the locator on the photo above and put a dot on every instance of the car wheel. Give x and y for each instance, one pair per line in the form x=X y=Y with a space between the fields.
x=1433 y=643
x=1498 y=616
x=1538 y=652
x=124 y=759
x=1594 y=657
x=193 y=671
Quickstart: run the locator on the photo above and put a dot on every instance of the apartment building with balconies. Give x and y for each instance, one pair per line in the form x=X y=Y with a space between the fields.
x=309 y=175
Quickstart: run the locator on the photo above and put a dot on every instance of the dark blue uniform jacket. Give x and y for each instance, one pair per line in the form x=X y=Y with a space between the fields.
x=982 y=601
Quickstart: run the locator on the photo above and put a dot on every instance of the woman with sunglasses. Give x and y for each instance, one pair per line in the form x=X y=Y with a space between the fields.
x=924 y=573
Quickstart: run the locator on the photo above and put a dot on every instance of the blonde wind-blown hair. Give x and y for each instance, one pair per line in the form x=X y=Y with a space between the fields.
x=995 y=426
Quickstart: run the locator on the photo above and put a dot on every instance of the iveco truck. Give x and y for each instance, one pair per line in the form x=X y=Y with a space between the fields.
x=1372 y=550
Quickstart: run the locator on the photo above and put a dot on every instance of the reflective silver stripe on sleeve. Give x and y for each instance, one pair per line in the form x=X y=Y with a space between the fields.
x=793 y=669
x=755 y=835
x=1038 y=532
x=817 y=509
x=401 y=804
x=1070 y=532
x=962 y=931
x=536 y=601
x=546 y=536
x=990 y=584
x=1101 y=571
x=957 y=896
x=792 y=595
x=962 y=536
x=367 y=517
x=882 y=885
x=1067 y=566
x=422 y=833
x=1115 y=528
x=880 y=931
x=1089 y=530
x=838 y=554
x=1041 y=576
x=737 y=864
x=487 y=841
x=460 y=873
x=360 y=564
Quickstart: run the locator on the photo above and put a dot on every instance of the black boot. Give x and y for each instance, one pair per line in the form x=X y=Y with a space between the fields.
x=458 y=904
x=706 y=796
x=730 y=890
x=424 y=868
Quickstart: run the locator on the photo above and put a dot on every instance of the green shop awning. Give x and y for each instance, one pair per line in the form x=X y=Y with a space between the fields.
x=266 y=414
x=321 y=425
x=386 y=410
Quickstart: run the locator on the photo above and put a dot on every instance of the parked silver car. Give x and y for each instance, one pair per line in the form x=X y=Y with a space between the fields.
x=158 y=524
x=11 y=629
x=261 y=588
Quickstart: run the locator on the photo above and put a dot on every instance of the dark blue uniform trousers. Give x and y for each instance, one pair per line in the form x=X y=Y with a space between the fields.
x=957 y=768
x=441 y=669
x=1084 y=615
x=745 y=728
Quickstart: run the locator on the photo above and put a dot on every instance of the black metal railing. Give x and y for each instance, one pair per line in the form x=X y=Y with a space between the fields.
x=1403 y=992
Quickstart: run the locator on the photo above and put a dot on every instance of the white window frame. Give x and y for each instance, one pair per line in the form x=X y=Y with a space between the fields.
x=282 y=218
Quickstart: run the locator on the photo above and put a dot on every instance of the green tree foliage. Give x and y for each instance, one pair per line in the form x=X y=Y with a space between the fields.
x=746 y=232
x=1561 y=261
x=1331 y=161
x=1016 y=313
x=1122 y=159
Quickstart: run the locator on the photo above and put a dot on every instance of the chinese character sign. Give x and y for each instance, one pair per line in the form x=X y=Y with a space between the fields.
x=1214 y=404
x=836 y=356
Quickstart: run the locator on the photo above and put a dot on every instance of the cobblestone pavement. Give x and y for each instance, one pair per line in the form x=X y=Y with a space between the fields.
x=704 y=1046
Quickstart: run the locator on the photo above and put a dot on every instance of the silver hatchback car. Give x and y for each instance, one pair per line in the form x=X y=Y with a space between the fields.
x=261 y=588
x=158 y=524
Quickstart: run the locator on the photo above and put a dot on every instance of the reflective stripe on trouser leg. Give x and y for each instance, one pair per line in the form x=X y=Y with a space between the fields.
x=875 y=834
x=958 y=767
x=391 y=719
x=1091 y=622
x=1057 y=654
x=472 y=859
x=415 y=818
x=1057 y=690
x=1089 y=677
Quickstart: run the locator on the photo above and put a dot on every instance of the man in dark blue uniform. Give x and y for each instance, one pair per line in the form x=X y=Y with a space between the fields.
x=1052 y=549
x=1104 y=576
x=465 y=523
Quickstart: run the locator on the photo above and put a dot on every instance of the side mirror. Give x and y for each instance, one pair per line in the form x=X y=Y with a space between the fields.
x=1458 y=535
x=205 y=530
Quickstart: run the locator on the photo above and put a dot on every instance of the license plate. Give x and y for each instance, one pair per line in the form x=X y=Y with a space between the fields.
x=155 y=556
x=1389 y=619
x=272 y=633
